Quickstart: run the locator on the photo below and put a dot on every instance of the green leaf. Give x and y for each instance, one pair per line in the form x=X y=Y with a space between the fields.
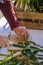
x=34 y=49
x=29 y=54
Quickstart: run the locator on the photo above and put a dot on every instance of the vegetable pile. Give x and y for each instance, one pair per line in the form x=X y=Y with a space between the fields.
x=28 y=55
x=29 y=5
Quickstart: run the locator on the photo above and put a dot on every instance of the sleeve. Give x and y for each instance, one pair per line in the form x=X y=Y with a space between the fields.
x=9 y=14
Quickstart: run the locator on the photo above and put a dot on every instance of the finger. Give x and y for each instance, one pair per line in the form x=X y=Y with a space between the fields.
x=25 y=34
x=19 y=35
x=22 y=37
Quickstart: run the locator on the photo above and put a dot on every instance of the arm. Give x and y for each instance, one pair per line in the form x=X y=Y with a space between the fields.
x=9 y=13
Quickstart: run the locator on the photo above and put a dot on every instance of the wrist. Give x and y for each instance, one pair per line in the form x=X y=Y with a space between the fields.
x=19 y=27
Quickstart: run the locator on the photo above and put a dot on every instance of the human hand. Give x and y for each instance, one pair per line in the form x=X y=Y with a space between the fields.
x=21 y=32
x=4 y=42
